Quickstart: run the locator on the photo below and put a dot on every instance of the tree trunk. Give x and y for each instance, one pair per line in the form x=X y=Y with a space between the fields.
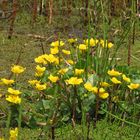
x=34 y=11
x=51 y=11
x=40 y=7
x=13 y=17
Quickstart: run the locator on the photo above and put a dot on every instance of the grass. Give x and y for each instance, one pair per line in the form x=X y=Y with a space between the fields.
x=103 y=131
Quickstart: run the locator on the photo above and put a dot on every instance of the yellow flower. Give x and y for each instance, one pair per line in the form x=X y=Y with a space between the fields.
x=88 y=87
x=82 y=47
x=13 y=91
x=95 y=90
x=113 y=73
x=63 y=71
x=40 y=69
x=70 y=62
x=7 y=81
x=39 y=74
x=126 y=78
x=57 y=44
x=13 y=134
x=17 y=69
x=79 y=71
x=134 y=86
x=33 y=82
x=40 y=60
x=106 y=44
x=66 y=52
x=115 y=80
x=72 y=40
x=110 y=45
x=92 y=42
x=103 y=95
x=13 y=99
x=51 y=59
x=104 y=84
x=101 y=90
x=39 y=86
x=1 y=138
x=53 y=78
x=54 y=50
x=74 y=81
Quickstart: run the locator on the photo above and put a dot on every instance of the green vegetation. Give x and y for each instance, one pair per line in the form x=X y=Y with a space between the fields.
x=73 y=80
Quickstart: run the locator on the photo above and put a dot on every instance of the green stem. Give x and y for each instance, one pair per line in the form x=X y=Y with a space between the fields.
x=131 y=123
x=19 y=119
x=8 y=122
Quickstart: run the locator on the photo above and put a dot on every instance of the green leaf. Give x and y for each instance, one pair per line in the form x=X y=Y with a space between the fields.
x=46 y=104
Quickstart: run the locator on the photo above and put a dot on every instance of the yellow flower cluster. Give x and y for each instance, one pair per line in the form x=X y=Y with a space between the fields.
x=17 y=69
x=115 y=80
x=106 y=44
x=13 y=134
x=7 y=81
x=74 y=81
x=37 y=84
x=13 y=96
x=91 y=42
x=53 y=79
x=39 y=71
x=82 y=47
x=63 y=71
x=47 y=58
x=72 y=40
x=98 y=91
x=57 y=44
x=79 y=71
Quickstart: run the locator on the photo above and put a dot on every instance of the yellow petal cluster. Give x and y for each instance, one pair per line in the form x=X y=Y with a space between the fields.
x=33 y=82
x=133 y=86
x=92 y=42
x=125 y=78
x=88 y=87
x=79 y=71
x=7 y=81
x=57 y=44
x=115 y=80
x=39 y=86
x=53 y=79
x=54 y=50
x=40 y=60
x=113 y=73
x=106 y=44
x=13 y=96
x=13 y=134
x=17 y=69
x=74 y=81
x=71 y=62
x=51 y=58
x=72 y=40
x=39 y=71
x=99 y=91
x=104 y=84
x=63 y=71
x=82 y=47
x=13 y=91
x=13 y=99
x=66 y=52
